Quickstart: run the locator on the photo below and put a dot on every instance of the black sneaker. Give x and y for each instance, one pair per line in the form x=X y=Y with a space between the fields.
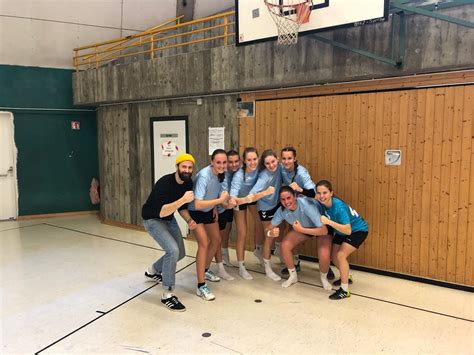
x=338 y=282
x=340 y=294
x=331 y=275
x=173 y=304
x=284 y=271
x=153 y=277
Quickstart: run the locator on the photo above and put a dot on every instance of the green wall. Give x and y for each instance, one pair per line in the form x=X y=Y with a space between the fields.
x=55 y=163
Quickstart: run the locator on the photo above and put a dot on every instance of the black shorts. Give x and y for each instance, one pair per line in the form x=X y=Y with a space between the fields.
x=268 y=215
x=244 y=206
x=225 y=217
x=355 y=239
x=201 y=217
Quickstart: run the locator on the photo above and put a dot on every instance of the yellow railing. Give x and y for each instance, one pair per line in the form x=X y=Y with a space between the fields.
x=153 y=40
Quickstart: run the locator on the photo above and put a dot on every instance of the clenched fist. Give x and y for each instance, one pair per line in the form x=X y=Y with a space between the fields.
x=224 y=196
x=188 y=196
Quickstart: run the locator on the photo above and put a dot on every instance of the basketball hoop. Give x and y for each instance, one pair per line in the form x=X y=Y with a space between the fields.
x=289 y=15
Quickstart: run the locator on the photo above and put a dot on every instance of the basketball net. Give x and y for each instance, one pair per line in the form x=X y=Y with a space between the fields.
x=289 y=15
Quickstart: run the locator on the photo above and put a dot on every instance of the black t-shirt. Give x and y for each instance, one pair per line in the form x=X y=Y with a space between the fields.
x=165 y=191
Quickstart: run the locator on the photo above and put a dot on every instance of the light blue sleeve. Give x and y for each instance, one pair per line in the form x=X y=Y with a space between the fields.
x=200 y=187
x=236 y=184
x=305 y=178
x=277 y=217
x=226 y=182
x=261 y=184
x=311 y=211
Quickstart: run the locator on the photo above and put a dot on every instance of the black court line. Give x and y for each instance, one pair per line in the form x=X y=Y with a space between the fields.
x=107 y=312
x=303 y=282
x=380 y=300
x=31 y=225
x=398 y=304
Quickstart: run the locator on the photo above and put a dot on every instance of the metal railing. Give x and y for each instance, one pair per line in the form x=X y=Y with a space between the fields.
x=168 y=35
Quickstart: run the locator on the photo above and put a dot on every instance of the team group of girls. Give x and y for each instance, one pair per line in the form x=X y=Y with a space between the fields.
x=286 y=206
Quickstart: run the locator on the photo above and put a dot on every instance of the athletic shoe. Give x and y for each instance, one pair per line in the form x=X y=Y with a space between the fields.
x=205 y=293
x=284 y=271
x=153 y=277
x=210 y=276
x=340 y=294
x=173 y=304
x=338 y=282
x=331 y=275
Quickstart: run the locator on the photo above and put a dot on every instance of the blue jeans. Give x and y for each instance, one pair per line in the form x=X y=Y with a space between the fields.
x=168 y=236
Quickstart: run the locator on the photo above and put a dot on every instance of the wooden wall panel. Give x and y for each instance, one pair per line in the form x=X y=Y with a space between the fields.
x=420 y=214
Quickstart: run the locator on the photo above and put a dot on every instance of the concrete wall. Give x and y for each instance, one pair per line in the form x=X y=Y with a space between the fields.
x=125 y=147
x=432 y=46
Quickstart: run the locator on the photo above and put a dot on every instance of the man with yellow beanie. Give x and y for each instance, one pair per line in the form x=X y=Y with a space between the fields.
x=171 y=193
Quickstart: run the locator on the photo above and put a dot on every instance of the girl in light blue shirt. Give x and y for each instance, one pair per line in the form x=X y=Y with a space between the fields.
x=302 y=213
x=207 y=195
x=243 y=181
x=265 y=192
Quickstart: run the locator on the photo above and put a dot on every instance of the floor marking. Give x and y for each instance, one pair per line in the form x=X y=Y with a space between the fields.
x=105 y=313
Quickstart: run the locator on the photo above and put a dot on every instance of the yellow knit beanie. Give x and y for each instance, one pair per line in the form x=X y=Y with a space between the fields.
x=185 y=157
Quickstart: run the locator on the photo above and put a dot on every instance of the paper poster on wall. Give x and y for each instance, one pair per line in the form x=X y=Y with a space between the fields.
x=216 y=138
x=169 y=148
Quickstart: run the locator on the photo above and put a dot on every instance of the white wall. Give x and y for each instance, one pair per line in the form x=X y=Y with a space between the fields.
x=204 y=8
x=43 y=32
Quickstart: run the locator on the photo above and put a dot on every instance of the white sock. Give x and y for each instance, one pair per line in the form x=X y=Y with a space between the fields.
x=345 y=287
x=292 y=279
x=269 y=272
x=225 y=256
x=324 y=281
x=222 y=273
x=151 y=270
x=243 y=271
x=167 y=292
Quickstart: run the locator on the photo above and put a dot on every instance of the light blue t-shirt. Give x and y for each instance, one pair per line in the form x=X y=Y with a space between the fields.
x=300 y=175
x=265 y=180
x=307 y=213
x=241 y=185
x=206 y=187
x=228 y=177
x=340 y=212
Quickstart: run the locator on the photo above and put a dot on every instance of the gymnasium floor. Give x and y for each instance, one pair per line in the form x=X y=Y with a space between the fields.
x=74 y=285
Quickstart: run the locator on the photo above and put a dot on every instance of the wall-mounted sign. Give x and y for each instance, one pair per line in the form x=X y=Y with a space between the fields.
x=76 y=125
x=216 y=139
x=169 y=148
x=393 y=157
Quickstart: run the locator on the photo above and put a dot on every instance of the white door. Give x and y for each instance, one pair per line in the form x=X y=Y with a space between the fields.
x=8 y=183
x=169 y=140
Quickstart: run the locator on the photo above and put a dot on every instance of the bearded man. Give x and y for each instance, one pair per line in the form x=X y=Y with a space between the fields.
x=171 y=193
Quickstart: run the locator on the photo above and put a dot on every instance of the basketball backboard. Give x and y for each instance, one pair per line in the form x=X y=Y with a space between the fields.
x=254 y=23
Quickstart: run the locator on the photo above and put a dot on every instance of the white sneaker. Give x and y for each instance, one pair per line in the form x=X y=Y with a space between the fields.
x=258 y=255
x=245 y=274
x=210 y=276
x=205 y=293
